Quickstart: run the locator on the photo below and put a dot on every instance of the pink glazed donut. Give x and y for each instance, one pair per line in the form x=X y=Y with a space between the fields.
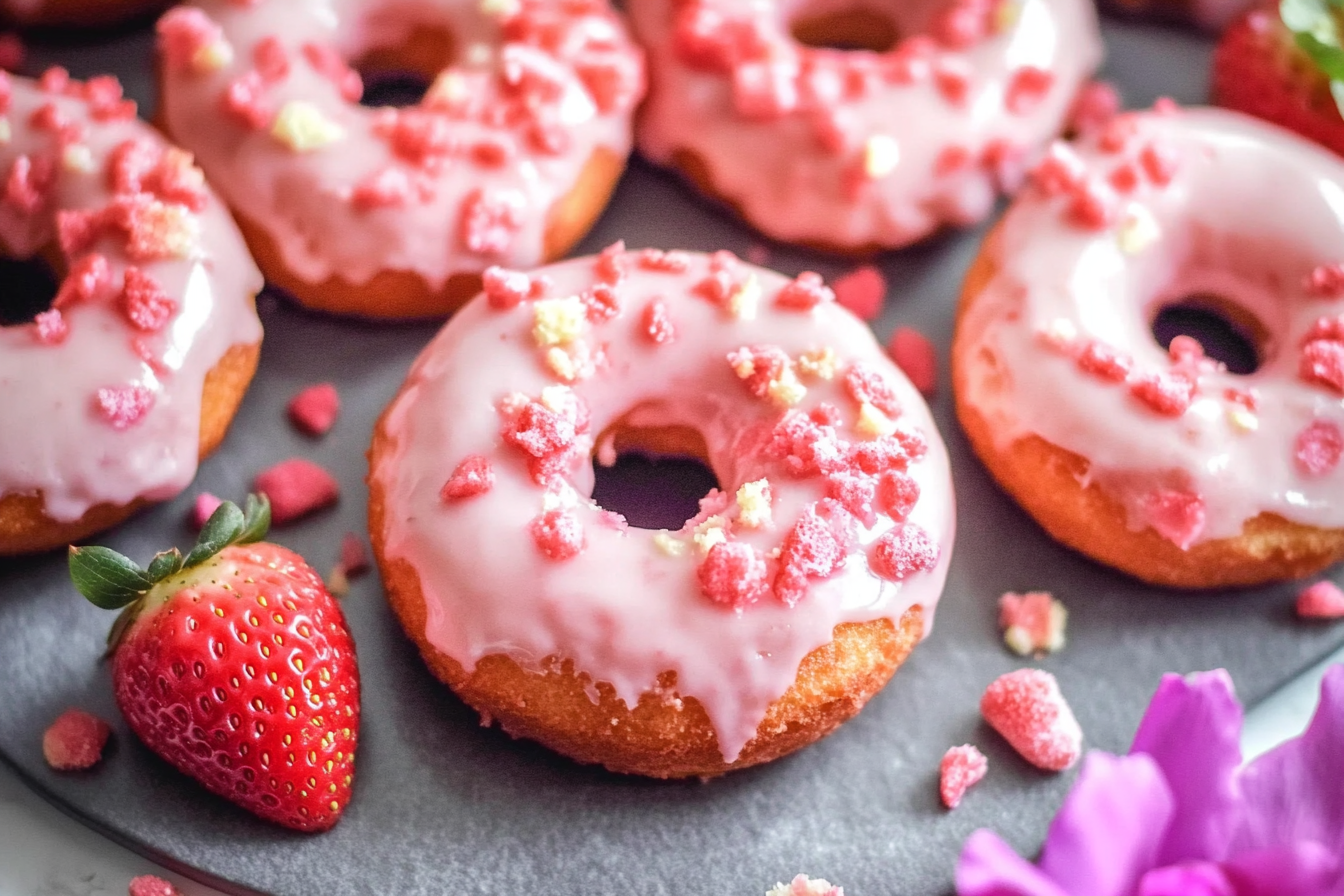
x=109 y=397
x=860 y=150
x=394 y=212
x=767 y=619
x=1163 y=463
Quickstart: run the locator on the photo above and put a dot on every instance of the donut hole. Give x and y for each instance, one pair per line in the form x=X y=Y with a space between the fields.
x=1227 y=332
x=658 y=477
x=849 y=28
x=29 y=289
x=400 y=73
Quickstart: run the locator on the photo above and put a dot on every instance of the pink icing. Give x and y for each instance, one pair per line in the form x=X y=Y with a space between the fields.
x=487 y=485
x=1237 y=209
x=101 y=396
x=858 y=148
x=462 y=181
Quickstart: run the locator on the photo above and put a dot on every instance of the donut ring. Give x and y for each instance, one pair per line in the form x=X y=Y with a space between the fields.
x=394 y=212
x=1162 y=463
x=857 y=151
x=112 y=395
x=804 y=583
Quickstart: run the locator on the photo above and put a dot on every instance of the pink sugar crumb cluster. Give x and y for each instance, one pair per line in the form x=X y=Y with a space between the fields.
x=1321 y=600
x=862 y=291
x=914 y=353
x=475 y=475
x=961 y=769
x=802 y=885
x=1032 y=623
x=314 y=409
x=1028 y=709
x=296 y=488
x=149 y=885
x=75 y=741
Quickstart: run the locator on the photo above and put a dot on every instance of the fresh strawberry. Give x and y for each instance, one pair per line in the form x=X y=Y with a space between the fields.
x=1285 y=65
x=235 y=665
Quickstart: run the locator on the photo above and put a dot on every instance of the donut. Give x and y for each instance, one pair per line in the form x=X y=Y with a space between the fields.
x=1164 y=463
x=112 y=391
x=394 y=212
x=768 y=619
x=867 y=149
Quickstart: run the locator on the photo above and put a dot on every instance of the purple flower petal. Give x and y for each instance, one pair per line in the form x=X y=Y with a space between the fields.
x=1187 y=879
x=1109 y=830
x=1300 y=869
x=1295 y=793
x=1193 y=730
x=989 y=867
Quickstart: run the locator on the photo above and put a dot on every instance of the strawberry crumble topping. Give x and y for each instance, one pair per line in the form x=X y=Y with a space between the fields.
x=75 y=741
x=1027 y=708
x=296 y=487
x=314 y=409
x=473 y=476
x=961 y=769
x=1321 y=600
x=1032 y=623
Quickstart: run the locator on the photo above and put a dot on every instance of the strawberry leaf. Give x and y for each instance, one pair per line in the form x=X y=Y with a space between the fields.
x=164 y=564
x=256 y=519
x=108 y=579
x=220 y=531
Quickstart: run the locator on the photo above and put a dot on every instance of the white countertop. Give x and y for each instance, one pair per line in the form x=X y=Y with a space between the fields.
x=44 y=853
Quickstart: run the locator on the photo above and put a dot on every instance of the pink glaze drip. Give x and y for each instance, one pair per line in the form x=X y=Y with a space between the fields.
x=858 y=148
x=1247 y=213
x=108 y=410
x=497 y=141
x=622 y=607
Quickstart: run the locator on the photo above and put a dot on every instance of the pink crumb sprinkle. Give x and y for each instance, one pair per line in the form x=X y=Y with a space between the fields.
x=733 y=574
x=961 y=769
x=805 y=292
x=866 y=384
x=1027 y=88
x=1032 y=622
x=296 y=487
x=1318 y=448
x=201 y=509
x=656 y=324
x=897 y=494
x=1096 y=104
x=123 y=406
x=505 y=289
x=354 y=558
x=50 y=327
x=75 y=741
x=1177 y=516
x=1326 y=281
x=473 y=476
x=314 y=409
x=145 y=304
x=915 y=355
x=1321 y=600
x=1168 y=394
x=902 y=552
x=1027 y=708
x=1322 y=364
x=558 y=534
x=149 y=885
x=862 y=291
x=490 y=219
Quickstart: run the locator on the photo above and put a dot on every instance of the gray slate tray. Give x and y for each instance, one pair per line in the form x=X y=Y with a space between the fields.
x=444 y=805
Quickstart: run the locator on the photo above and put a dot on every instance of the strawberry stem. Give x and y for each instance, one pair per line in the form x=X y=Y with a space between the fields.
x=111 y=580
